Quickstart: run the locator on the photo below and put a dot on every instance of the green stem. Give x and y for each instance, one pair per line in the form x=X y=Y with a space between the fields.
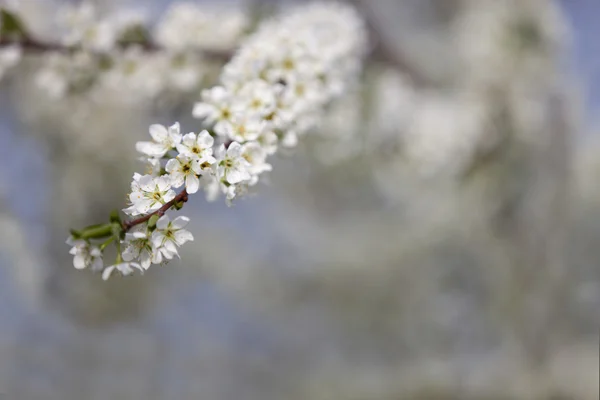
x=97 y=232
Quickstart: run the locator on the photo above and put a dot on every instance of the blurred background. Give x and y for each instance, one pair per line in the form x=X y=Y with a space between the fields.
x=437 y=238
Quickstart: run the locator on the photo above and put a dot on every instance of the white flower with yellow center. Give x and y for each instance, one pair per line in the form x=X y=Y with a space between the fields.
x=184 y=169
x=149 y=193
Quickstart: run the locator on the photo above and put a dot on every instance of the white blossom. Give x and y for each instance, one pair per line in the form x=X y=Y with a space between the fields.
x=163 y=140
x=125 y=268
x=138 y=246
x=149 y=193
x=198 y=146
x=170 y=234
x=216 y=108
x=245 y=129
x=85 y=255
x=232 y=167
x=256 y=156
x=185 y=169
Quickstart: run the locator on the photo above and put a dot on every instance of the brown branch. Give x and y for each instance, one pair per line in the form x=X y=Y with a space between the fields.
x=181 y=197
x=39 y=46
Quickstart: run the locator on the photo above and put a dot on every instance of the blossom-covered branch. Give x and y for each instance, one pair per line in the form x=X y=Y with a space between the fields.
x=84 y=51
x=273 y=91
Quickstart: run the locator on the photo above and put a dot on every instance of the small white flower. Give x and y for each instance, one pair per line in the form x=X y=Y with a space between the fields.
x=232 y=167
x=149 y=193
x=170 y=234
x=85 y=255
x=163 y=140
x=256 y=156
x=245 y=129
x=268 y=140
x=139 y=246
x=184 y=169
x=198 y=146
x=216 y=108
x=125 y=268
x=257 y=97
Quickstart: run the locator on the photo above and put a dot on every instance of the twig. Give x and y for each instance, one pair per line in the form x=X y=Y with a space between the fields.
x=181 y=197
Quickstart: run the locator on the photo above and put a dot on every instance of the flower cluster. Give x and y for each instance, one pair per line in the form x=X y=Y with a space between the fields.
x=276 y=87
x=273 y=90
x=101 y=53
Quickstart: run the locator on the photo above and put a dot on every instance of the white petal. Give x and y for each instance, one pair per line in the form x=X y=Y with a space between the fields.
x=145 y=259
x=144 y=205
x=180 y=222
x=192 y=184
x=182 y=236
x=177 y=179
x=223 y=128
x=170 y=195
x=158 y=132
x=158 y=239
x=143 y=147
x=172 y=165
x=236 y=175
x=167 y=254
x=162 y=223
x=202 y=110
x=156 y=256
x=125 y=268
x=132 y=210
x=197 y=166
x=79 y=262
x=205 y=140
x=174 y=129
x=107 y=271
x=130 y=253
x=221 y=151
x=163 y=183
x=97 y=264
x=170 y=247
x=147 y=183
x=139 y=235
x=137 y=266
x=234 y=150
x=189 y=140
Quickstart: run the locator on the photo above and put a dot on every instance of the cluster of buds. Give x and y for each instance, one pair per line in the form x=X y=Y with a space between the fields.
x=273 y=90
